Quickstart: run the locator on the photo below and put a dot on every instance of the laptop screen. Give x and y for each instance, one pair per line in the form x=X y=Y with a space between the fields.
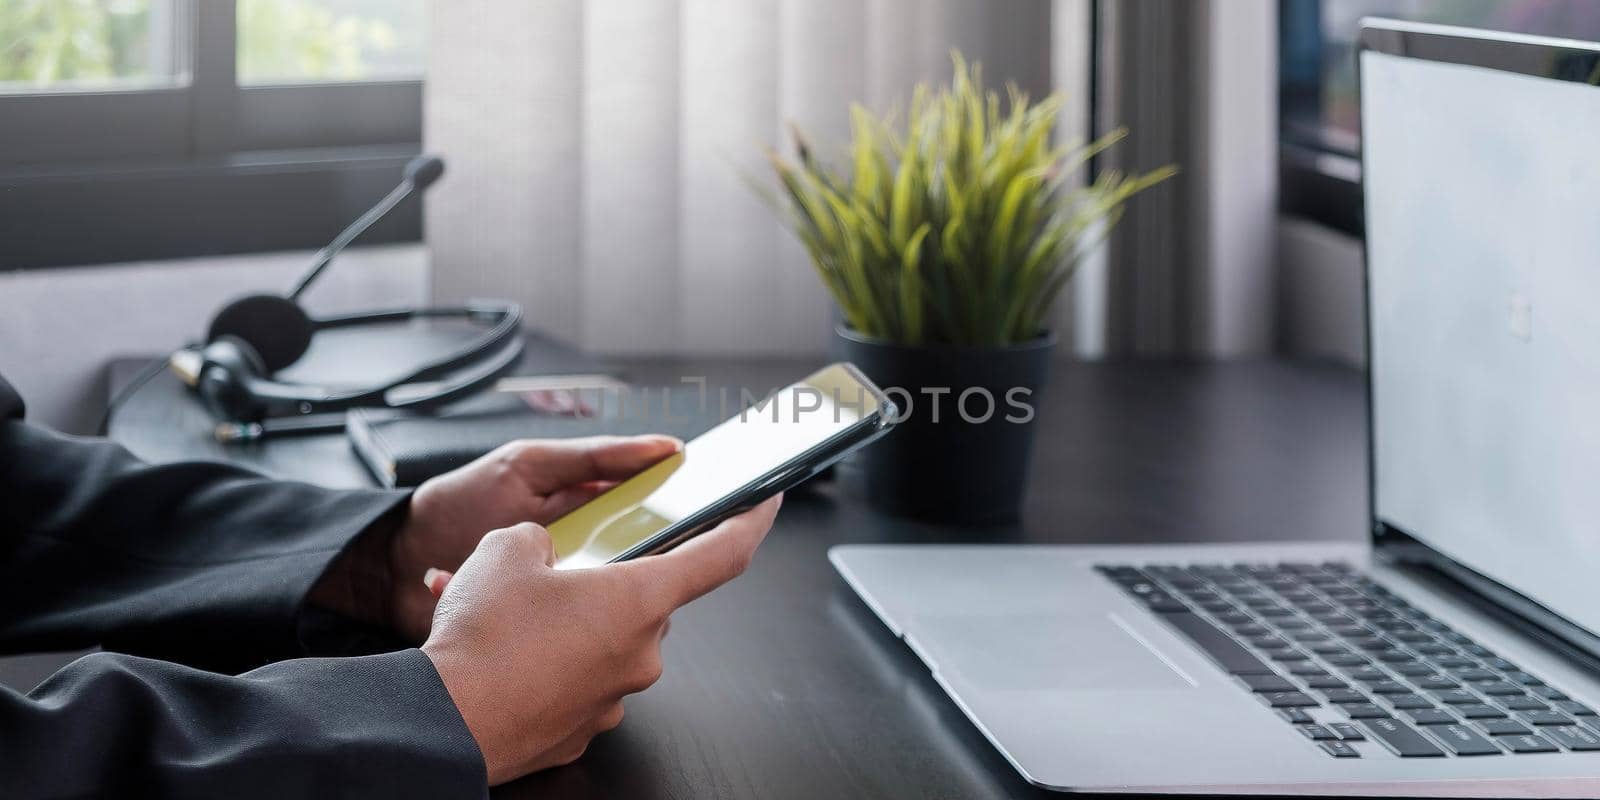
x=1482 y=192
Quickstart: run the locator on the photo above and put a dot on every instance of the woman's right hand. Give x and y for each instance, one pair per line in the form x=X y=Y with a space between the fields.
x=538 y=660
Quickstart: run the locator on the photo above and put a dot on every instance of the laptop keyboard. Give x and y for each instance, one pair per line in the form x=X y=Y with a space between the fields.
x=1347 y=662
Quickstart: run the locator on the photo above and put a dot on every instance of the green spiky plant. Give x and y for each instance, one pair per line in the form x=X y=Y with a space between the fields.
x=960 y=228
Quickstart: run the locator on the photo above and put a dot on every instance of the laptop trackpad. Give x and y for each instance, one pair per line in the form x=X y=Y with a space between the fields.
x=1062 y=652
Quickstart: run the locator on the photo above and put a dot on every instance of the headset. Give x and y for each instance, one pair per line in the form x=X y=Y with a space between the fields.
x=254 y=337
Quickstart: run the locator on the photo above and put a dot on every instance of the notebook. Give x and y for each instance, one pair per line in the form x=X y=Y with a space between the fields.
x=407 y=449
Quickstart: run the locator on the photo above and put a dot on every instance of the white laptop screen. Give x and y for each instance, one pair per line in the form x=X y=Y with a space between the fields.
x=1483 y=236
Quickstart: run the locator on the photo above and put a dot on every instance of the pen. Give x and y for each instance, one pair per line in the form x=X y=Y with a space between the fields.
x=243 y=432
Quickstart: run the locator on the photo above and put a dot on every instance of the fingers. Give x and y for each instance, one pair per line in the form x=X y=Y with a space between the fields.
x=436 y=580
x=557 y=463
x=563 y=501
x=524 y=542
x=713 y=558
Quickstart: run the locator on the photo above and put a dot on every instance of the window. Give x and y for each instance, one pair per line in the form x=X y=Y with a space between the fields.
x=155 y=118
x=305 y=41
x=54 y=46
x=1319 y=111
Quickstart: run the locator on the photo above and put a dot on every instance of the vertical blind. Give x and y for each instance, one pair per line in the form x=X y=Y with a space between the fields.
x=599 y=150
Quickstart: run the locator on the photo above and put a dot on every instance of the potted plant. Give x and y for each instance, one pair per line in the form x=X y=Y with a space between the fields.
x=945 y=247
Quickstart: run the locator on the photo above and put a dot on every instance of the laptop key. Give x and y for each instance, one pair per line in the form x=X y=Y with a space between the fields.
x=1268 y=683
x=1164 y=603
x=1367 y=673
x=1363 y=711
x=1289 y=700
x=1345 y=659
x=1527 y=743
x=1499 y=688
x=1402 y=738
x=1463 y=741
x=1479 y=711
x=1347 y=731
x=1523 y=703
x=1434 y=680
x=1339 y=749
x=1518 y=676
x=1544 y=718
x=1345 y=696
x=1502 y=727
x=1547 y=692
x=1474 y=674
x=1227 y=653
x=1414 y=669
x=1456 y=696
x=1408 y=701
x=1574 y=708
x=1431 y=716
x=1317 y=732
x=1388 y=687
x=1295 y=715
x=1324 y=681
x=1573 y=737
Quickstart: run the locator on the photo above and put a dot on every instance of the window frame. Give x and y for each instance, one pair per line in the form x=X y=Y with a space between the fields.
x=207 y=134
x=1317 y=180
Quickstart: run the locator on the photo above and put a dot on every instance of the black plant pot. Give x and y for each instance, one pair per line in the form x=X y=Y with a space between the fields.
x=970 y=465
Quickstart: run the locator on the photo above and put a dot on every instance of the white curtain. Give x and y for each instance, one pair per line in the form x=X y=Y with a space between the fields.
x=598 y=150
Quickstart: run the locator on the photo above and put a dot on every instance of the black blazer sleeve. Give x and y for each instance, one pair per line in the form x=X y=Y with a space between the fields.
x=205 y=564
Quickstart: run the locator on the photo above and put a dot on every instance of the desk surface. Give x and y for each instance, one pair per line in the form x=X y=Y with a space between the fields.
x=782 y=685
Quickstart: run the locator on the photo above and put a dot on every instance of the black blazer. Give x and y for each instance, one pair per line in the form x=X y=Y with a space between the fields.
x=183 y=569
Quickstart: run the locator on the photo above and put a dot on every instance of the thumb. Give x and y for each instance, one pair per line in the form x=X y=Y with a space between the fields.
x=713 y=558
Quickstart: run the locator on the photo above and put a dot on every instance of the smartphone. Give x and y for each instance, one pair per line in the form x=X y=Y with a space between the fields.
x=766 y=448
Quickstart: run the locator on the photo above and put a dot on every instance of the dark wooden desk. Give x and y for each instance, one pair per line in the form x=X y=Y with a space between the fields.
x=782 y=685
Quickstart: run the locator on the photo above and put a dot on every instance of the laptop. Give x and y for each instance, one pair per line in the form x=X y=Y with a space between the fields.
x=1453 y=654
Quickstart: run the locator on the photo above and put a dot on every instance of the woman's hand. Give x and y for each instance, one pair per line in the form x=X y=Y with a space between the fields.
x=535 y=481
x=538 y=660
x=381 y=578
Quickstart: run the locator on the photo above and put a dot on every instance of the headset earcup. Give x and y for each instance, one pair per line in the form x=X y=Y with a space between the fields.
x=227 y=368
x=275 y=328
